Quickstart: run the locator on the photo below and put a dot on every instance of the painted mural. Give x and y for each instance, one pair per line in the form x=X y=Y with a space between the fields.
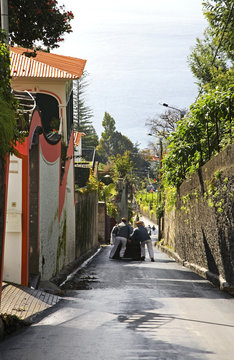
x=52 y=220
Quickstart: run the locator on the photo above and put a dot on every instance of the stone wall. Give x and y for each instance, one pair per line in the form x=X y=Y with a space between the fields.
x=102 y=221
x=204 y=218
x=86 y=221
x=169 y=229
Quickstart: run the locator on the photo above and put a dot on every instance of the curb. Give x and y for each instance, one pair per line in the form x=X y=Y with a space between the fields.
x=216 y=280
x=59 y=278
x=47 y=293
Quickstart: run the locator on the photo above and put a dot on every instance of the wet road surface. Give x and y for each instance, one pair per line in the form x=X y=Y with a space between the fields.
x=129 y=310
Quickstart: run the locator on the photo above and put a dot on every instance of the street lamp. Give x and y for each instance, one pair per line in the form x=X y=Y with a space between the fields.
x=182 y=112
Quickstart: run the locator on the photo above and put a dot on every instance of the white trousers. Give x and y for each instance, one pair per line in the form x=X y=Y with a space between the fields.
x=118 y=240
x=149 y=247
x=113 y=237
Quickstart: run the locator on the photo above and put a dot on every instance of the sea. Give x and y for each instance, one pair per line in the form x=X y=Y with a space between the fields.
x=137 y=58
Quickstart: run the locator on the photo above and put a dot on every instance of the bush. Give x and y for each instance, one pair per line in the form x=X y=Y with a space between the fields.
x=8 y=123
x=7 y=127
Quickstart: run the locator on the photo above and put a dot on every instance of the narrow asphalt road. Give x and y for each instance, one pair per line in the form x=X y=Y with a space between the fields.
x=129 y=310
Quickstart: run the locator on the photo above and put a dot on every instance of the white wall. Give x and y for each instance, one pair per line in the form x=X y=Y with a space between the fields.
x=48 y=217
x=13 y=237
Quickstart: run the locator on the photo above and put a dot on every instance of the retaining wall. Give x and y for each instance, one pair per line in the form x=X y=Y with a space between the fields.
x=201 y=231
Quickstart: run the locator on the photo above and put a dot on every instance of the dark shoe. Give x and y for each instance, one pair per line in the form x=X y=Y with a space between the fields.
x=152 y=259
x=142 y=258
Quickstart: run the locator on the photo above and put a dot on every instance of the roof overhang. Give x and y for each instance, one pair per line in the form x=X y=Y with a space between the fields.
x=44 y=65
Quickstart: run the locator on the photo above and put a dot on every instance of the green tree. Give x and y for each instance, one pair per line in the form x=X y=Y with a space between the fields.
x=8 y=125
x=212 y=57
x=38 y=20
x=203 y=63
x=219 y=14
x=83 y=114
x=105 y=148
x=113 y=143
x=206 y=130
x=122 y=166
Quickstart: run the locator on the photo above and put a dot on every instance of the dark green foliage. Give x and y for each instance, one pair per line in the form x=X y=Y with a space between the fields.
x=212 y=57
x=114 y=143
x=219 y=14
x=206 y=130
x=83 y=114
x=122 y=166
x=209 y=126
x=105 y=147
x=38 y=20
x=8 y=126
x=204 y=65
x=5 y=87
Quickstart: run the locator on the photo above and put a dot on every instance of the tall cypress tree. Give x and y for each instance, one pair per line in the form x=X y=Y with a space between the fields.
x=83 y=114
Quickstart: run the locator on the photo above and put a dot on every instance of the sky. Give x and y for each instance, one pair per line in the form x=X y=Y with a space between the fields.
x=136 y=54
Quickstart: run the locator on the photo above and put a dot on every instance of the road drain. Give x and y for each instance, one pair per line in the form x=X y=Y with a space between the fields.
x=80 y=283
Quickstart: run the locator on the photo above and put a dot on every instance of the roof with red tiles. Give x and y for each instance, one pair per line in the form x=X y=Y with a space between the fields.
x=45 y=65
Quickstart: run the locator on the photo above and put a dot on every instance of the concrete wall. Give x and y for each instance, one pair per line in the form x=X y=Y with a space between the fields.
x=48 y=216
x=57 y=230
x=13 y=238
x=56 y=208
x=86 y=221
x=204 y=219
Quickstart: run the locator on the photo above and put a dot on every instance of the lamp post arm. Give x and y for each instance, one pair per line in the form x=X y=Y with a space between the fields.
x=182 y=112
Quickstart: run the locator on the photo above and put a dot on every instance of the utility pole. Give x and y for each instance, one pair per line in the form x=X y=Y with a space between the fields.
x=4 y=18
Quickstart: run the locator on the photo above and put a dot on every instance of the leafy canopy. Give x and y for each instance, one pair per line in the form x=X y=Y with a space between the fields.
x=83 y=114
x=122 y=166
x=212 y=57
x=206 y=130
x=35 y=21
x=113 y=143
x=8 y=126
x=209 y=126
x=219 y=14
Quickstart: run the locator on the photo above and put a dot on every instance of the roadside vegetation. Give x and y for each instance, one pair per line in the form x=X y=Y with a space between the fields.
x=119 y=160
x=208 y=127
x=37 y=30
x=9 y=132
x=148 y=203
x=187 y=142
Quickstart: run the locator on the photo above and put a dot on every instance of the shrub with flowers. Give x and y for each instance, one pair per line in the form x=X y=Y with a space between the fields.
x=41 y=21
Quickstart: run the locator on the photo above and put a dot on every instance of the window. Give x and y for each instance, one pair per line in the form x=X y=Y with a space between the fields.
x=49 y=109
